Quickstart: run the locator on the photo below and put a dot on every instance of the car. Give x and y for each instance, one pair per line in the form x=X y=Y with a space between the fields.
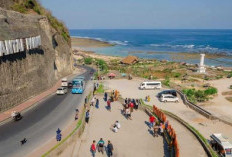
x=172 y=92
x=221 y=145
x=168 y=98
x=70 y=85
x=61 y=91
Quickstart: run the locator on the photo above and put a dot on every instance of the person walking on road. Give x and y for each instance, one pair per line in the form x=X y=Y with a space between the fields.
x=93 y=148
x=97 y=103
x=100 y=145
x=87 y=116
x=110 y=149
x=77 y=113
x=109 y=105
x=86 y=100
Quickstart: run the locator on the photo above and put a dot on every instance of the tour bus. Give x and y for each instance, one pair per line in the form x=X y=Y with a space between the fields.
x=151 y=85
x=78 y=86
x=221 y=145
x=64 y=82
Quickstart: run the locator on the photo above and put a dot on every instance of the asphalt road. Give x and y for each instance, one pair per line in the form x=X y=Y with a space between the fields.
x=40 y=123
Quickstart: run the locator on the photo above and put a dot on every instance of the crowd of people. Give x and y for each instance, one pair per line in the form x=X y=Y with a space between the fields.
x=101 y=147
x=129 y=106
x=158 y=128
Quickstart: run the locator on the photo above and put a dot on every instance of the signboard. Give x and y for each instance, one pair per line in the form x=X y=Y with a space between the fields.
x=8 y=47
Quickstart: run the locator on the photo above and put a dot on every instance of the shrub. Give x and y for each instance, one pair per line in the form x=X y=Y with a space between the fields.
x=211 y=91
x=206 y=78
x=219 y=76
x=88 y=60
x=199 y=95
x=177 y=75
x=27 y=5
x=166 y=82
x=101 y=64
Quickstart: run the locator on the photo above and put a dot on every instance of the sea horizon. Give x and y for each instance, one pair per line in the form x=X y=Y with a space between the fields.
x=144 y=42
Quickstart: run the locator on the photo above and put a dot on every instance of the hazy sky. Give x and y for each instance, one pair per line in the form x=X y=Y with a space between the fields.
x=142 y=14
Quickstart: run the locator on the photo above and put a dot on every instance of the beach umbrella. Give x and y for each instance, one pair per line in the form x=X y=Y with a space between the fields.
x=112 y=75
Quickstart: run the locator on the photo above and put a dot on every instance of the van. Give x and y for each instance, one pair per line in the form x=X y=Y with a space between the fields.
x=168 y=98
x=221 y=145
x=150 y=85
x=64 y=82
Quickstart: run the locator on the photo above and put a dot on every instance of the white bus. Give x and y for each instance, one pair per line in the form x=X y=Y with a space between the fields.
x=221 y=145
x=64 y=82
x=151 y=85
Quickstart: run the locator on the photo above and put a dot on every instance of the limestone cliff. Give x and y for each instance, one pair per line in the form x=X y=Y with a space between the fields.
x=28 y=73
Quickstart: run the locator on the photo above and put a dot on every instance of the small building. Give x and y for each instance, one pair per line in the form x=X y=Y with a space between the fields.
x=130 y=60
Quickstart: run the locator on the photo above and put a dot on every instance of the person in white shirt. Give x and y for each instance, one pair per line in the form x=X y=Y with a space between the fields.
x=115 y=129
x=117 y=124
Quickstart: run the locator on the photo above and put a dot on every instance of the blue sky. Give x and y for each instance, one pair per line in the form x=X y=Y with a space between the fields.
x=142 y=14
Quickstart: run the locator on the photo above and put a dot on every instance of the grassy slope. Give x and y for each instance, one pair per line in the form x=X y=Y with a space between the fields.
x=29 y=6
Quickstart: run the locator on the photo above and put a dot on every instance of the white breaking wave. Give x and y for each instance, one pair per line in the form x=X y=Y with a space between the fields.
x=173 y=46
x=118 y=42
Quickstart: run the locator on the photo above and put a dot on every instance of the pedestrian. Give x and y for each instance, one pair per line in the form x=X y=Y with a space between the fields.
x=92 y=101
x=131 y=107
x=148 y=98
x=97 y=103
x=156 y=128
x=106 y=95
x=118 y=124
x=166 y=124
x=151 y=120
x=100 y=145
x=115 y=129
x=110 y=149
x=87 y=116
x=23 y=141
x=128 y=113
x=137 y=104
x=93 y=148
x=77 y=113
x=161 y=130
x=109 y=105
x=86 y=100
x=126 y=101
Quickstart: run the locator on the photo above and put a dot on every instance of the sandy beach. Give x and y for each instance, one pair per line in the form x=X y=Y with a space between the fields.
x=89 y=43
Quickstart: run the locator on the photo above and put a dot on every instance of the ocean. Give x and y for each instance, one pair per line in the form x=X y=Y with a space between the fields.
x=172 y=45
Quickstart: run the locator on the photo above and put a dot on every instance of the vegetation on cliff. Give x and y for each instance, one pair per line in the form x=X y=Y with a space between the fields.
x=33 y=6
